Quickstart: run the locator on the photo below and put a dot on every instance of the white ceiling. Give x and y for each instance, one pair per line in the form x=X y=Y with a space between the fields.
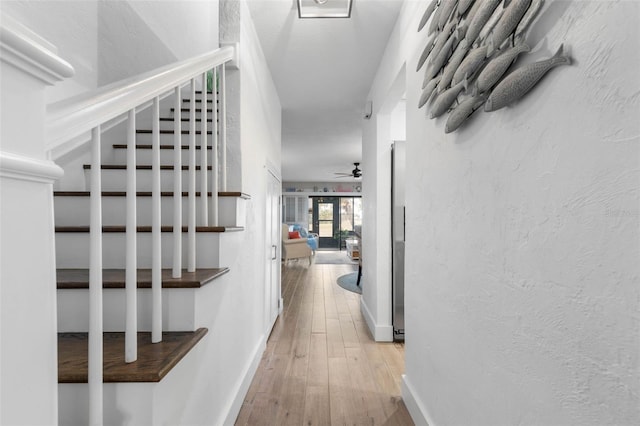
x=323 y=70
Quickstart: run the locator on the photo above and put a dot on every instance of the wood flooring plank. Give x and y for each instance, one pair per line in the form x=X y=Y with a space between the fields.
x=341 y=394
x=335 y=343
x=316 y=406
x=319 y=319
x=362 y=380
x=318 y=371
x=349 y=334
x=291 y=402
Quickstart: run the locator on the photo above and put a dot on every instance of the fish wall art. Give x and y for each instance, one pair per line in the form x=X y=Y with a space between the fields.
x=471 y=54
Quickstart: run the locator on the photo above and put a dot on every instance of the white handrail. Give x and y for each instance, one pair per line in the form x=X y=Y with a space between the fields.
x=75 y=116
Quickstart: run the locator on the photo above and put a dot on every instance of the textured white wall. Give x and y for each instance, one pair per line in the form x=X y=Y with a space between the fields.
x=523 y=292
x=136 y=36
x=108 y=40
x=72 y=26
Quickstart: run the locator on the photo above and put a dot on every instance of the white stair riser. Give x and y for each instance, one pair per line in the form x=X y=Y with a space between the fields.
x=116 y=180
x=168 y=138
x=186 y=114
x=232 y=211
x=170 y=125
x=178 y=307
x=74 y=211
x=144 y=156
x=72 y=250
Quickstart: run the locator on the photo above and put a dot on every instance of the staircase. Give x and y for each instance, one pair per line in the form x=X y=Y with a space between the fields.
x=131 y=387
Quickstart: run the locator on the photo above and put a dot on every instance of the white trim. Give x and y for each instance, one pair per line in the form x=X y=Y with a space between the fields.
x=22 y=48
x=418 y=413
x=381 y=333
x=19 y=167
x=243 y=385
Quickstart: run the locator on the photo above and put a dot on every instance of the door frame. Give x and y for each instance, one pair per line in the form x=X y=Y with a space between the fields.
x=326 y=242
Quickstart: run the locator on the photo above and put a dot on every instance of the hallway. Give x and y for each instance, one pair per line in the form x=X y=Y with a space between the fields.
x=321 y=366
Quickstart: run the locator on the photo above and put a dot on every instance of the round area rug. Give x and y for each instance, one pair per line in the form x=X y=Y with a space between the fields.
x=348 y=282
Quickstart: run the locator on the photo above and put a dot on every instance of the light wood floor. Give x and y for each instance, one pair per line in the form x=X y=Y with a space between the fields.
x=321 y=366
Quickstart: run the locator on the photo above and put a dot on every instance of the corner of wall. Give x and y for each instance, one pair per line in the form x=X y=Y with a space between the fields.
x=381 y=333
x=418 y=413
x=245 y=382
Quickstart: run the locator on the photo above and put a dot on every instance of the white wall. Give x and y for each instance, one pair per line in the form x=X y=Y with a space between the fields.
x=136 y=36
x=108 y=40
x=522 y=278
x=72 y=26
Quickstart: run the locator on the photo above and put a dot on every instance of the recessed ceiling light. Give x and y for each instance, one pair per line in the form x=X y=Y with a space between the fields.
x=324 y=8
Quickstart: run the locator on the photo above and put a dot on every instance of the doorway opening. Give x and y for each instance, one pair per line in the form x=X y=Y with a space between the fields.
x=336 y=220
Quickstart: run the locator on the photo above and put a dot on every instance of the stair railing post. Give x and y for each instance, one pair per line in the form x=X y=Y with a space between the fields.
x=223 y=129
x=95 y=286
x=214 y=151
x=156 y=263
x=177 y=185
x=131 y=279
x=191 y=231
x=204 y=199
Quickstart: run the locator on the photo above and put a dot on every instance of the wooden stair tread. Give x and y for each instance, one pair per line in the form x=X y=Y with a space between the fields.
x=171 y=132
x=189 y=109
x=200 y=100
x=166 y=228
x=148 y=194
x=138 y=167
x=209 y=120
x=148 y=146
x=155 y=360
x=115 y=278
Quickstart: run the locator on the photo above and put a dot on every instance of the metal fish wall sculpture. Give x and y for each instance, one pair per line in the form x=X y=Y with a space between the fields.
x=495 y=69
x=519 y=82
x=444 y=100
x=471 y=45
x=427 y=14
x=427 y=91
x=463 y=111
x=508 y=23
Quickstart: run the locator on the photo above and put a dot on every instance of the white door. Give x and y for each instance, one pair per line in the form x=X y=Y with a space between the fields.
x=273 y=303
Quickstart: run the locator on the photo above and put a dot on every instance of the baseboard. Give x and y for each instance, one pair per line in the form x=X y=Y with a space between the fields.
x=381 y=333
x=243 y=385
x=417 y=411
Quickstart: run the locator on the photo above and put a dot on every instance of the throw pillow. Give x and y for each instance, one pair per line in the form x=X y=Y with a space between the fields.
x=294 y=235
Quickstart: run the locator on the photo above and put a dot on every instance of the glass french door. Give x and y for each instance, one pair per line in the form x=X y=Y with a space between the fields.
x=326 y=220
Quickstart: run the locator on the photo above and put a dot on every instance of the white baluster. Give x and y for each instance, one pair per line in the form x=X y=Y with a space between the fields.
x=131 y=280
x=177 y=186
x=191 y=212
x=223 y=129
x=214 y=153
x=95 y=286
x=204 y=208
x=156 y=263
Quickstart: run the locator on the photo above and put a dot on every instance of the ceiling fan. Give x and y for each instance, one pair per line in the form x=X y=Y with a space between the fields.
x=355 y=173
